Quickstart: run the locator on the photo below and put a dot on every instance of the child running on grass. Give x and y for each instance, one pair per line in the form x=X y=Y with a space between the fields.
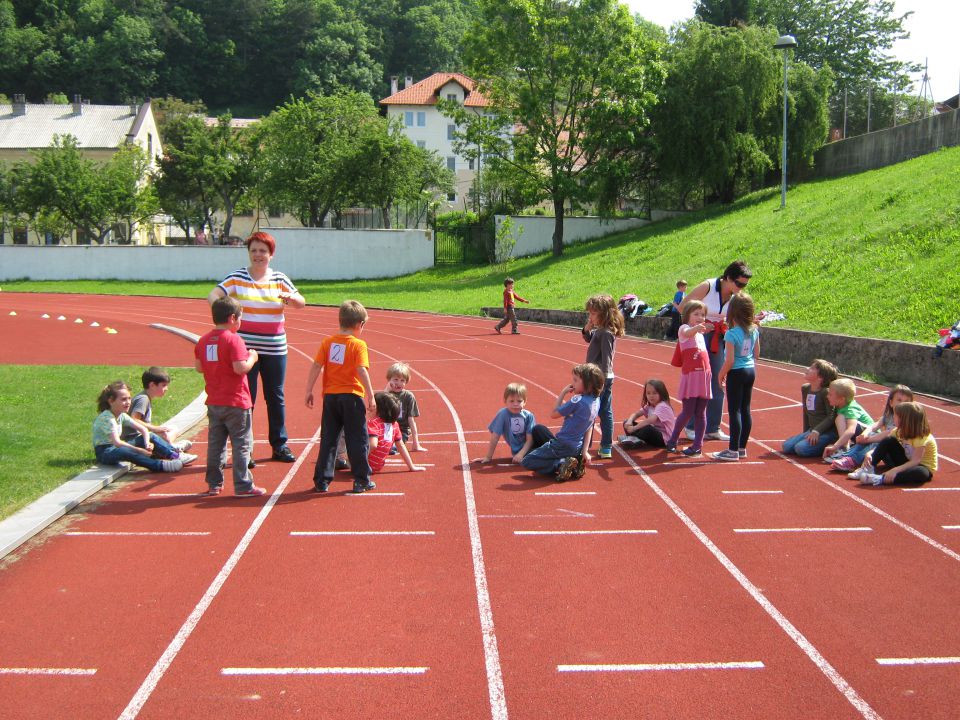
x=739 y=373
x=604 y=326
x=512 y=422
x=908 y=456
x=695 y=377
x=653 y=423
x=566 y=453
x=108 y=445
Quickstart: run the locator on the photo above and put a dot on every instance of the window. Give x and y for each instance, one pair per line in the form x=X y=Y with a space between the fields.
x=451 y=163
x=421 y=119
x=470 y=163
x=452 y=96
x=274 y=211
x=451 y=130
x=149 y=147
x=408 y=118
x=20 y=236
x=451 y=197
x=422 y=144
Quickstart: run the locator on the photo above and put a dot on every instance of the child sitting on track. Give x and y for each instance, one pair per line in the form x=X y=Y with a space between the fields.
x=155 y=382
x=881 y=429
x=653 y=423
x=908 y=456
x=819 y=418
x=514 y=423
x=852 y=419
x=383 y=433
x=398 y=375
x=565 y=454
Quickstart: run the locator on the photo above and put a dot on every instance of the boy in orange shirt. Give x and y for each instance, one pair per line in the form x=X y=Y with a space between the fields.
x=347 y=395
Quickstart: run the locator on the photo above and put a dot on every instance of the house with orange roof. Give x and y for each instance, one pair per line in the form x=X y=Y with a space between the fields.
x=416 y=107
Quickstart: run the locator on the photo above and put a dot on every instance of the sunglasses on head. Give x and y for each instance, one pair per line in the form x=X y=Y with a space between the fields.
x=741 y=283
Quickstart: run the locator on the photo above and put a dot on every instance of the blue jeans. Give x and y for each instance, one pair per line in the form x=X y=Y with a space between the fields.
x=715 y=404
x=858 y=452
x=606 y=415
x=161 y=448
x=236 y=423
x=548 y=452
x=798 y=444
x=272 y=369
x=113 y=455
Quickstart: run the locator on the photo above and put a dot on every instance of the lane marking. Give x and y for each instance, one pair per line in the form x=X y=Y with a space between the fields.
x=950 y=527
x=919 y=661
x=816 y=657
x=948 y=459
x=46 y=671
x=324 y=671
x=936 y=489
x=376 y=494
x=160 y=668
x=78 y=533
x=586 y=492
x=752 y=492
x=326 y=533
x=714 y=462
x=803 y=530
x=184 y=494
x=584 y=532
x=658 y=667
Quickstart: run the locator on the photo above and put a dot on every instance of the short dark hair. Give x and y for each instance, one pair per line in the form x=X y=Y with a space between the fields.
x=155 y=375
x=224 y=308
x=388 y=407
x=508 y=281
x=737 y=269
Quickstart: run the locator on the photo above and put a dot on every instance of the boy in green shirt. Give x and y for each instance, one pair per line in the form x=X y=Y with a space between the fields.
x=852 y=419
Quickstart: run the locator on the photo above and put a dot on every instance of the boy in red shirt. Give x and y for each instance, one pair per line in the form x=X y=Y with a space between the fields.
x=223 y=358
x=347 y=395
x=383 y=430
x=509 y=307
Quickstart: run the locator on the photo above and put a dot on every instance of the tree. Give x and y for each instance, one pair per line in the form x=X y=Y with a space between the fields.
x=575 y=78
x=728 y=13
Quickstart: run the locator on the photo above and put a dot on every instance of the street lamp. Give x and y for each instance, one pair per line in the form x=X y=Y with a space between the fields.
x=784 y=42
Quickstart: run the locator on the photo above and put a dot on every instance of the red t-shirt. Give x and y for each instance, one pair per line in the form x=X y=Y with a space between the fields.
x=386 y=437
x=217 y=351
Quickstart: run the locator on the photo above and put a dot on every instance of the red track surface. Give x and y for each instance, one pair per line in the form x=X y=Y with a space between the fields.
x=476 y=620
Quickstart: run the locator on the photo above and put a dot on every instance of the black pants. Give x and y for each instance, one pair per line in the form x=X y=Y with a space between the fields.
x=674 y=329
x=346 y=412
x=890 y=454
x=739 y=392
x=650 y=435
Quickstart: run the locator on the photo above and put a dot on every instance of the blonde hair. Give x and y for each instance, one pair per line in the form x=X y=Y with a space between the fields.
x=518 y=389
x=845 y=388
x=610 y=316
x=911 y=421
x=352 y=314
x=399 y=369
x=689 y=308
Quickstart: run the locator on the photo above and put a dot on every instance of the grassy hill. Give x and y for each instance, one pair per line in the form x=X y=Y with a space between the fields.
x=874 y=254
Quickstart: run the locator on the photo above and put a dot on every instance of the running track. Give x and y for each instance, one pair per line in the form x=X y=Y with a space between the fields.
x=653 y=588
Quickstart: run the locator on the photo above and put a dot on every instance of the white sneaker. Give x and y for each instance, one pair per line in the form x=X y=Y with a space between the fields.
x=691 y=434
x=183 y=445
x=187 y=458
x=857 y=474
x=171 y=466
x=871 y=479
x=718 y=435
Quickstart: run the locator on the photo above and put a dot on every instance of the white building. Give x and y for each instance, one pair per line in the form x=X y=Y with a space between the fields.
x=416 y=106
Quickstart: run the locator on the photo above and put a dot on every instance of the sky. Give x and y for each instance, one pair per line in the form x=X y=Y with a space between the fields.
x=932 y=29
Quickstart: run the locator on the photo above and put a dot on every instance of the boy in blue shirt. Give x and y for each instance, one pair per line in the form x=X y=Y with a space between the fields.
x=564 y=454
x=512 y=422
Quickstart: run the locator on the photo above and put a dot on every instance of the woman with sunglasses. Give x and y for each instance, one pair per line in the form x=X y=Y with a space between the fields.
x=715 y=293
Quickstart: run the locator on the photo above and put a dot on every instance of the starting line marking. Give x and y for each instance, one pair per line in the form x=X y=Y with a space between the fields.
x=584 y=532
x=325 y=671
x=801 y=530
x=46 y=671
x=714 y=462
x=78 y=533
x=752 y=492
x=919 y=661
x=648 y=667
x=950 y=527
x=587 y=492
x=316 y=533
x=376 y=494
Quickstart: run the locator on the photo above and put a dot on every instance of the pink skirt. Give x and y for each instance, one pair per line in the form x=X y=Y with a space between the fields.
x=694 y=384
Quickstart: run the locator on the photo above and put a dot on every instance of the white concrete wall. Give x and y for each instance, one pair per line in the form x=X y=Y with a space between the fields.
x=302 y=253
x=537 y=234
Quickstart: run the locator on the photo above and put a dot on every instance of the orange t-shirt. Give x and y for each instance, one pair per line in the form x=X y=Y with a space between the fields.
x=341 y=355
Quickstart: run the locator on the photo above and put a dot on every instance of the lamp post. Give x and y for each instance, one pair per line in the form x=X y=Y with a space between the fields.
x=784 y=42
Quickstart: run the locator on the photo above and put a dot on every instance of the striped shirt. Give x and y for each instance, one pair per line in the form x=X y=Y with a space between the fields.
x=262 y=325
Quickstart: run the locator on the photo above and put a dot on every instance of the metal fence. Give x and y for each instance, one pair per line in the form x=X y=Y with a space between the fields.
x=463 y=245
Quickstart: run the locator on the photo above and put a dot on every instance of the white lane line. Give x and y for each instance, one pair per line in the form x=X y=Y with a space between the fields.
x=327 y=533
x=936 y=489
x=375 y=495
x=659 y=667
x=77 y=533
x=714 y=462
x=919 y=661
x=584 y=532
x=183 y=494
x=948 y=459
x=160 y=668
x=46 y=671
x=816 y=657
x=950 y=527
x=324 y=671
x=401 y=463
x=752 y=492
x=587 y=492
x=803 y=530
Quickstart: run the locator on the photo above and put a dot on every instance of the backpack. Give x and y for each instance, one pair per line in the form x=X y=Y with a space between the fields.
x=631 y=306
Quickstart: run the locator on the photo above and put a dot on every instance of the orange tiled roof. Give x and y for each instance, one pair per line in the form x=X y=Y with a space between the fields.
x=427 y=90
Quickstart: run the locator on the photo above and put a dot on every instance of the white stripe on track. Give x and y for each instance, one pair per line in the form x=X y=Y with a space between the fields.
x=327 y=533
x=659 y=667
x=585 y=492
x=822 y=664
x=78 y=533
x=919 y=661
x=751 y=492
x=160 y=668
x=950 y=527
x=324 y=671
x=584 y=532
x=47 y=671
x=934 y=489
x=803 y=530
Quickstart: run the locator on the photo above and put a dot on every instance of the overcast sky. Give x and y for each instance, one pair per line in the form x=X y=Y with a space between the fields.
x=933 y=35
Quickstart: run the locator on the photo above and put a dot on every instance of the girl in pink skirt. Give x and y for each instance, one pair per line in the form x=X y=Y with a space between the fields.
x=695 y=377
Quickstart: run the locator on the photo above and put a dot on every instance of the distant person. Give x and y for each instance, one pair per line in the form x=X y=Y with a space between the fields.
x=264 y=294
x=652 y=425
x=852 y=420
x=343 y=360
x=225 y=362
x=604 y=326
x=675 y=310
x=398 y=375
x=866 y=442
x=108 y=445
x=510 y=300
x=909 y=455
x=383 y=433
x=819 y=417
x=738 y=374
x=694 y=390
x=155 y=381
x=715 y=293
x=514 y=423
x=566 y=454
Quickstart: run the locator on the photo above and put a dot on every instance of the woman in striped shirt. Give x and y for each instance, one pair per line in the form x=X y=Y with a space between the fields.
x=264 y=293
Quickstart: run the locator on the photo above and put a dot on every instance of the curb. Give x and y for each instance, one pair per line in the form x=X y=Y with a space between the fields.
x=41 y=513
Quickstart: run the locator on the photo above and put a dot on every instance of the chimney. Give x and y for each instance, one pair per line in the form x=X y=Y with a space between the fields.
x=407 y=81
x=77 y=105
x=393 y=84
x=19 y=104
x=134 y=109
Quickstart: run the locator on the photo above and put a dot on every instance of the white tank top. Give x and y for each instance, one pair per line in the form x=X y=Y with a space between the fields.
x=716 y=310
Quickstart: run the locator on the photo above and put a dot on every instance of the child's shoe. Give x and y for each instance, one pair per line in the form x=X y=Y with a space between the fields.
x=186 y=458
x=254 y=491
x=568 y=467
x=358 y=488
x=213 y=491
x=829 y=459
x=871 y=479
x=629 y=441
x=742 y=453
x=728 y=455
x=341 y=464
x=692 y=452
x=581 y=468
x=497 y=330
x=864 y=469
x=671 y=448
x=171 y=466
x=183 y=445
x=844 y=464
x=605 y=453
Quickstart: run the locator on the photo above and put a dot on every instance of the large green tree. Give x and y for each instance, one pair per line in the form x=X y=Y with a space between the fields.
x=573 y=79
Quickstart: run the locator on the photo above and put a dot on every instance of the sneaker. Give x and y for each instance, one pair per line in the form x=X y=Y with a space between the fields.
x=358 y=488
x=858 y=473
x=871 y=479
x=171 y=465
x=186 y=458
x=566 y=470
x=213 y=491
x=727 y=455
x=718 y=435
x=829 y=459
x=283 y=454
x=671 y=448
x=183 y=445
x=630 y=441
x=581 y=468
x=691 y=434
x=497 y=330
x=844 y=464
x=393 y=451
x=252 y=464
x=321 y=485
x=254 y=491
x=605 y=453
x=341 y=464
x=692 y=452
x=742 y=453
x=515 y=332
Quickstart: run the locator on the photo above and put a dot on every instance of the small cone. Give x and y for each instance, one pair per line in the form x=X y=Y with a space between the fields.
x=111 y=331
x=78 y=321
x=13 y=312
x=45 y=316
x=62 y=317
x=94 y=324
